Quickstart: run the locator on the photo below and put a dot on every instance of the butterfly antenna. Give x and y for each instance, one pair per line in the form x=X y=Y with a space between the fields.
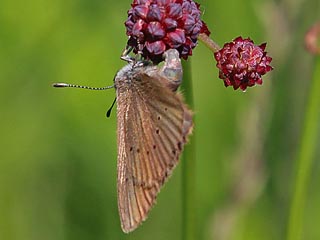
x=110 y=109
x=64 y=85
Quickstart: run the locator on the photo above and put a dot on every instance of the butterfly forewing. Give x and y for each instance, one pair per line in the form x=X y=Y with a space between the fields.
x=153 y=126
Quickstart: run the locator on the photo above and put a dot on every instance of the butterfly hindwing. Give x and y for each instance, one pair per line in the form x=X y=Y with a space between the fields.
x=153 y=126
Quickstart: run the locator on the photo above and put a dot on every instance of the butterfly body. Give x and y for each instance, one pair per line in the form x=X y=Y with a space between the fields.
x=153 y=126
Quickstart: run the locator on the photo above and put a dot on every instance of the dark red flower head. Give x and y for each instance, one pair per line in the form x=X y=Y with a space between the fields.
x=241 y=63
x=154 y=26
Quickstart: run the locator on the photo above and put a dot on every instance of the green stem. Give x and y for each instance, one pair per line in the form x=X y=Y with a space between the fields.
x=188 y=167
x=305 y=158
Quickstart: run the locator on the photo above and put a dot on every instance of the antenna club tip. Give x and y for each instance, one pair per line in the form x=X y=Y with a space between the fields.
x=59 y=85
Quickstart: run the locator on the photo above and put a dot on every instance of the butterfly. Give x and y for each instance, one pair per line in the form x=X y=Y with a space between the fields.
x=153 y=125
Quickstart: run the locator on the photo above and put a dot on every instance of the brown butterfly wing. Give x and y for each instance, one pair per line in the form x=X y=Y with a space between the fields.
x=153 y=126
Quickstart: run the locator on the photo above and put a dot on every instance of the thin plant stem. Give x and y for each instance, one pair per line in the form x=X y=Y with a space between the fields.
x=188 y=167
x=208 y=42
x=305 y=157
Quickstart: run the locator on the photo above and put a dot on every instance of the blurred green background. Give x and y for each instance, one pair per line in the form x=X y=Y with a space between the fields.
x=58 y=150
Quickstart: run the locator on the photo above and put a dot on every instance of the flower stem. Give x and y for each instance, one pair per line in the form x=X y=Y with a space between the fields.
x=206 y=40
x=305 y=157
x=188 y=167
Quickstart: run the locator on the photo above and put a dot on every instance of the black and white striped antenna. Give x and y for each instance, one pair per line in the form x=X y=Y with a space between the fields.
x=64 y=85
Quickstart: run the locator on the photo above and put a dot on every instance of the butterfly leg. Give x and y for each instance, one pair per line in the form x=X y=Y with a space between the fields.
x=125 y=55
x=172 y=68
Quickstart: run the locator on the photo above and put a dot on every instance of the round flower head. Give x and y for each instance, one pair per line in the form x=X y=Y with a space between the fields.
x=154 y=26
x=241 y=63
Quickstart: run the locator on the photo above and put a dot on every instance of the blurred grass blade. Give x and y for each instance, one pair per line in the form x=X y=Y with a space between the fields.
x=305 y=157
x=188 y=166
